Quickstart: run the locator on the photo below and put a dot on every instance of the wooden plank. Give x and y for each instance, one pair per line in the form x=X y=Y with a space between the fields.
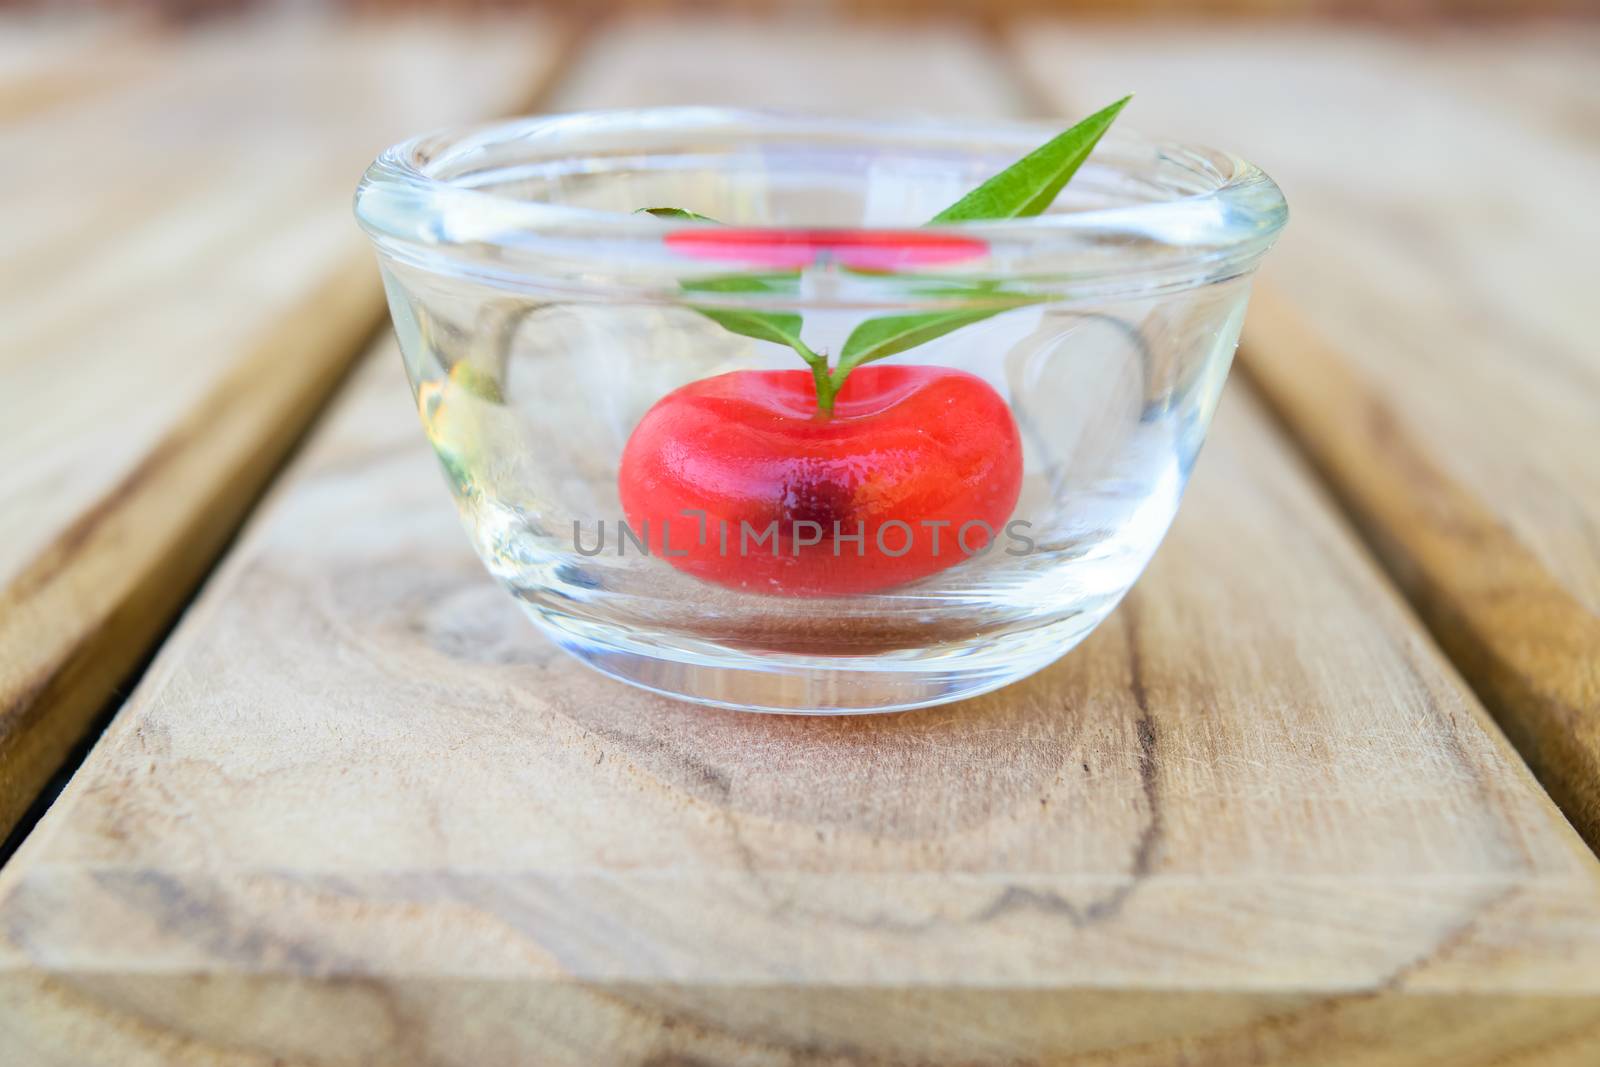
x=45 y=62
x=358 y=813
x=1505 y=12
x=185 y=285
x=1427 y=332
x=742 y=61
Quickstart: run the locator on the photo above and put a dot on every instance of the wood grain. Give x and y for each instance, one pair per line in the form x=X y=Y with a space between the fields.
x=358 y=812
x=184 y=288
x=1425 y=327
x=1254 y=816
x=1407 y=14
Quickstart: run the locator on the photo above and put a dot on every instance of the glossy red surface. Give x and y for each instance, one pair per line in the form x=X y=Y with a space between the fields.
x=857 y=249
x=910 y=456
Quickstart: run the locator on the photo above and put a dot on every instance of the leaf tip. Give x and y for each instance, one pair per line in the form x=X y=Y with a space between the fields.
x=672 y=213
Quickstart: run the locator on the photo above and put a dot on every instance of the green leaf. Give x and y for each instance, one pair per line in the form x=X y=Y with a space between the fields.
x=877 y=338
x=763 y=326
x=779 y=326
x=674 y=213
x=1028 y=187
x=1025 y=188
x=779 y=282
x=1032 y=183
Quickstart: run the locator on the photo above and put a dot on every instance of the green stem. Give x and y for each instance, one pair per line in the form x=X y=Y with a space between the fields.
x=827 y=387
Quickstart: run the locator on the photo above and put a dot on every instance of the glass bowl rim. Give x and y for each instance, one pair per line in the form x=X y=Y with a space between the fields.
x=415 y=215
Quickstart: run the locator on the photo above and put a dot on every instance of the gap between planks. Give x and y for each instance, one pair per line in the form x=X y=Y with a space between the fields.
x=1525 y=645
x=1524 y=642
x=677 y=848
x=79 y=622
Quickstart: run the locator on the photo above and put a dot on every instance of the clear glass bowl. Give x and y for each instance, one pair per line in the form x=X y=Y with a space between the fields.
x=975 y=505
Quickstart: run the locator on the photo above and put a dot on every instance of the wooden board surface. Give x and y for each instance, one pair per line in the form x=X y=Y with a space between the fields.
x=358 y=812
x=183 y=284
x=1425 y=329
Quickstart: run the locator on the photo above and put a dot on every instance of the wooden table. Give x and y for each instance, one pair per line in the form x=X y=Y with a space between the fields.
x=356 y=812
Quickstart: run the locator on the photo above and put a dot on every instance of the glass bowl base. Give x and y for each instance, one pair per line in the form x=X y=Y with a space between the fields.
x=814 y=685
